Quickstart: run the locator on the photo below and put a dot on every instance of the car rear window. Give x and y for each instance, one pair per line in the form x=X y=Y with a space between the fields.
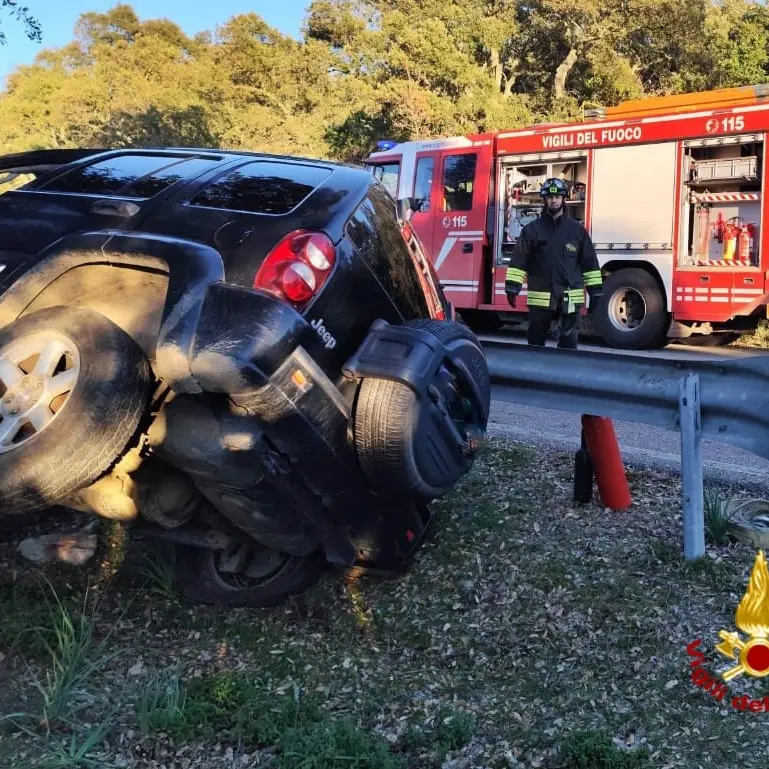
x=138 y=176
x=263 y=187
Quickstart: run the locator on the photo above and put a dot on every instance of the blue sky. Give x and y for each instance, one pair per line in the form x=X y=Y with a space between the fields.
x=58 y=18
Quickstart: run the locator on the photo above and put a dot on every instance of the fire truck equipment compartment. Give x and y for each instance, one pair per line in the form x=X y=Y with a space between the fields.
x=725 y=168
x=645 y=213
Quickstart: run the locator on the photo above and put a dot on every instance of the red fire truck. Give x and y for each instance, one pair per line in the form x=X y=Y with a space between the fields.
x=670 y=189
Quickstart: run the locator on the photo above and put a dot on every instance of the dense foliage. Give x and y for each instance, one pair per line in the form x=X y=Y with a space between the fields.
x=368 y=69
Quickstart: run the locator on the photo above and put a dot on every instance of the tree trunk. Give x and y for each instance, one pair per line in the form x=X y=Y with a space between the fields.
x=496 y=67
x=512 y=77
x=562 y=73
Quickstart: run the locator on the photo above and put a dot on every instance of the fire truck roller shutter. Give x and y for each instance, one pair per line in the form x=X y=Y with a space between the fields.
x=632 y=314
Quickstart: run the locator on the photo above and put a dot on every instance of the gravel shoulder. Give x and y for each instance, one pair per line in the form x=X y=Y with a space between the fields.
x=640 y=445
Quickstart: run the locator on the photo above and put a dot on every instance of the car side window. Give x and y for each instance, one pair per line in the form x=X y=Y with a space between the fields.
x=160 y=180
x=116 y=175
x=423 y=184
x=388 y=175
x=459 y=181
x=262 y=187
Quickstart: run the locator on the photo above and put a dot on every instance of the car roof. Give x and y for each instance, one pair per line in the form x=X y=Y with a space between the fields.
x=345 y=185
x=40 y=161
x=253 y=153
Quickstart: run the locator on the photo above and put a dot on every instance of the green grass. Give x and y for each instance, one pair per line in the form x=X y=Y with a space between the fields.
x=160 y=701
x=448 y=731
x=716 y=512
x=25 y=618
x=157 y=568
x=75 y=751
x=75 y=659
x=595 y=750
x=758 y=339
x=331 y=743
x=52 y=628
x=232 y=707
x=236 y=708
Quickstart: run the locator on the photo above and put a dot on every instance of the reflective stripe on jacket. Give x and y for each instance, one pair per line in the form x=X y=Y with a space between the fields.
x=557 y=261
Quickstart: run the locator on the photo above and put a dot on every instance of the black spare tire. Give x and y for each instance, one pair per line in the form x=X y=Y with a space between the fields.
x=73 y=389
x=400 y=450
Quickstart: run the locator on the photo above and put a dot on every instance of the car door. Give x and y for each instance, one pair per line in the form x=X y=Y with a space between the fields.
x=113 y=192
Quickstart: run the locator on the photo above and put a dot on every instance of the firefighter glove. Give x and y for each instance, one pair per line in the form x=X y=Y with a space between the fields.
x=512 y=290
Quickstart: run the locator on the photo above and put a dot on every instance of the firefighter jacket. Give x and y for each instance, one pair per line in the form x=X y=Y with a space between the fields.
x=557 y=260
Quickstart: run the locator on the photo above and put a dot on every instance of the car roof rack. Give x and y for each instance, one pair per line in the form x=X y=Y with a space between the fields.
x=38 y=161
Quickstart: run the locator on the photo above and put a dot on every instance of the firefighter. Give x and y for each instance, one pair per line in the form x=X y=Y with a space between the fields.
x=556 y=258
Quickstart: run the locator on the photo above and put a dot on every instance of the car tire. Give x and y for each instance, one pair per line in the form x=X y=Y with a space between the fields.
x=46 y=451
x=200 y=576
x=631 y=314
x=389 y=421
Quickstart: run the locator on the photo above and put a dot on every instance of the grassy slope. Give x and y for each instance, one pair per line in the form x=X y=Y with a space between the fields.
x=529 y=632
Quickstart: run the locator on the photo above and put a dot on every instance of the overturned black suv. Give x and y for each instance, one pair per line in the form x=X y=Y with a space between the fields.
x=246 y=354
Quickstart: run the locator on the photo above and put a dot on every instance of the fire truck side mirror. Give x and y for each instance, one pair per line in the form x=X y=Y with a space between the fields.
x=405 y=208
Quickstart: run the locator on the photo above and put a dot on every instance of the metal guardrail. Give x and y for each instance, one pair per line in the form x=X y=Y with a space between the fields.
x=724 y=400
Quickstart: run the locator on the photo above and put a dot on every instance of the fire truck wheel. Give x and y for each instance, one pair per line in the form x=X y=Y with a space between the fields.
x=632 y=314
x=397 y=439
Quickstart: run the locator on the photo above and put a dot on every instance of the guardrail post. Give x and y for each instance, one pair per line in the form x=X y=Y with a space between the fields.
x=691 y=467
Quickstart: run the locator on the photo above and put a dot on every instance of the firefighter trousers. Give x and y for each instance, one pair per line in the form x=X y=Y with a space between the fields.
x=539 y=325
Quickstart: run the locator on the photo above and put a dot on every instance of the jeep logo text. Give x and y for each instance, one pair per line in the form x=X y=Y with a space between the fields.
x=329 y=340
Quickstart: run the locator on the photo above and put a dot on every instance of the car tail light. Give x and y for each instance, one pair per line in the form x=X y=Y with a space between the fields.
x=298 y=267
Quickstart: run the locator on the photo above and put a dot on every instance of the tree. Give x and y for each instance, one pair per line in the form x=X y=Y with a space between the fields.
x=371 y=69
x=106 y=85
x=669 y=44
x=124 y=82
x=32 y=27
x=421 y=69
x=739 y=35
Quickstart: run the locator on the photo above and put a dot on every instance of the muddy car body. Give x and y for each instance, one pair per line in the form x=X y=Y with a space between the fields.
x=246 y=354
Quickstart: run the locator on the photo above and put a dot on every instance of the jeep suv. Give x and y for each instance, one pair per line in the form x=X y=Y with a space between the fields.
x=248 y=355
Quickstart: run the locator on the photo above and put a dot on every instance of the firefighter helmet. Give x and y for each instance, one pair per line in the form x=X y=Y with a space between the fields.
x=554 y=187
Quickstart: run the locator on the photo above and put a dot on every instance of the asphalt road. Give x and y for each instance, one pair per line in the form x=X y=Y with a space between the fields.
x=641 y=445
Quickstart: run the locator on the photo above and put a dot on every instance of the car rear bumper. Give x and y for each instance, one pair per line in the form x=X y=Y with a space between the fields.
x=252 y=347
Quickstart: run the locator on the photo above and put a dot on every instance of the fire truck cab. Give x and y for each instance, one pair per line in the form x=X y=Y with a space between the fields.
x=670 y=189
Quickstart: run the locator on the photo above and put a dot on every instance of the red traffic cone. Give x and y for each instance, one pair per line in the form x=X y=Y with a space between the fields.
x=607 y=462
